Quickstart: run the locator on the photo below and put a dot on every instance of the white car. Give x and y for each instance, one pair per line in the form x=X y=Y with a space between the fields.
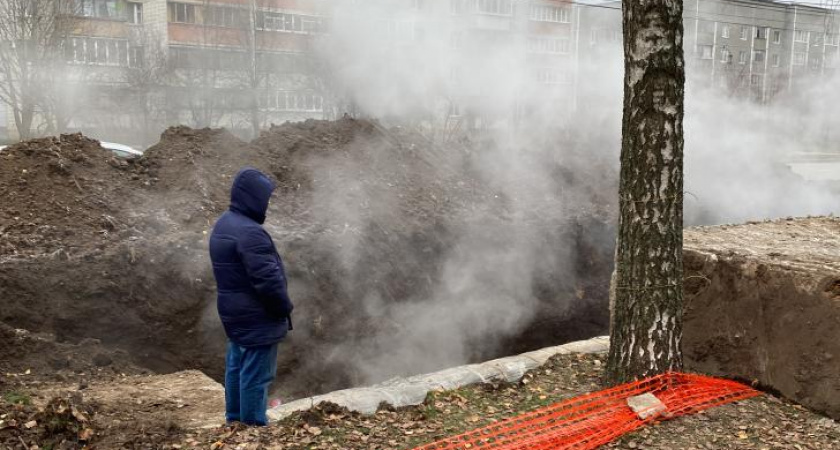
x=123 y=151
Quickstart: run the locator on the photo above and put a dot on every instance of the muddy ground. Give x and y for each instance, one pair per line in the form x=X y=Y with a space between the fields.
x=368 y=220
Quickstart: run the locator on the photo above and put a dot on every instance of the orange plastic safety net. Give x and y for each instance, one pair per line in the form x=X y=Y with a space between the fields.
x=592 y=420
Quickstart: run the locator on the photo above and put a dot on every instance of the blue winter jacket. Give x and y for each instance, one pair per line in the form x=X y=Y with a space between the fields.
x=252 y=299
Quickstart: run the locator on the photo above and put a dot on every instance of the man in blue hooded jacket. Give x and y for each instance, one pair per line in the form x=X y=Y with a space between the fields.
x=252 y=299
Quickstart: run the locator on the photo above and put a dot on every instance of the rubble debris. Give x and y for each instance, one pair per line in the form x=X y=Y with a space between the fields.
x=646 y=406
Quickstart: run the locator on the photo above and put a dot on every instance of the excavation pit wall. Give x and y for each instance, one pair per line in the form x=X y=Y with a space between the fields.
x=763 y=305
x=378 y=228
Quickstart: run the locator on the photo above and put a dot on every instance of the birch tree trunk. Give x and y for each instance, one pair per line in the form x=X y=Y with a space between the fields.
x=646 y=326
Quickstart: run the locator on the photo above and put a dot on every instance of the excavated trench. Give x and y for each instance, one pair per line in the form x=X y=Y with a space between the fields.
x=386 y=236
x=763 y=305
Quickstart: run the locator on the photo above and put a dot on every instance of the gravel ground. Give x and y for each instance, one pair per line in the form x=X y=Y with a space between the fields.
x=761 y=423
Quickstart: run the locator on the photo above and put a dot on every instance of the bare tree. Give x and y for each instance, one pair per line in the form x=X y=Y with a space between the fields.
x=146 y=78
x=647 y=315
x=32 y=33
x=197 y=75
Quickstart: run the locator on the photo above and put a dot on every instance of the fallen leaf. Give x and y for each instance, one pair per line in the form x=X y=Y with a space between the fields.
x=86 y=434
x=30 y=424
x=78 y=415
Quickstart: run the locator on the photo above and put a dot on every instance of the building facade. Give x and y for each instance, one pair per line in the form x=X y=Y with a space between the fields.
x=133 y=67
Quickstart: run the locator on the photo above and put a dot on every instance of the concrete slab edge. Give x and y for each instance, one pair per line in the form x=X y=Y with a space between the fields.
x=413 y=390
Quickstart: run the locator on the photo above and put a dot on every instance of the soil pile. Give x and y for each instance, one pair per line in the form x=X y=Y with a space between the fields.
x=191 y=174
x=60 y=193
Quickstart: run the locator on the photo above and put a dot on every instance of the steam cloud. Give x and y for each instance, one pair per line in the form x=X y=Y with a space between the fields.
x=491 y=269
x=485 y=289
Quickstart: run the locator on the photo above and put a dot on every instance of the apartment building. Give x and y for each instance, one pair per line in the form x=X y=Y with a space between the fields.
x=747 y=48
x=529 y=47
x=243 y=64
x=759 y=48
x=141 y=64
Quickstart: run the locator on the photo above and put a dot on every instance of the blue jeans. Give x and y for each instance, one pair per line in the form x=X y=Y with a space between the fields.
x=249 y=372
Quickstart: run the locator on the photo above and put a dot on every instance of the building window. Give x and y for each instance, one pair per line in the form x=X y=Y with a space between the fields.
x=760 y=33
x=224 y=17
x=103 y=9
x=135 y=57
x=755 y=79
x=135 y=13
x=706 y=52
x=181 y=13
x=289 y=23
x=725 y=31
x=777 y=60
x=460 y=6
x=399 y=31
x=456 y=40
x=541 y=13
x=548 y=45
x=777 y=36
x=500 y=7
x=815 y=64
x=291 y=101
x=725 y=56
x=742 y=58
x=832 y=39
x=552 y=76
x=97 y=51
x=799 y=58
x=604 y=35
x=758 y=56
x=744 y=33
x=802 y=36
x=497 y=7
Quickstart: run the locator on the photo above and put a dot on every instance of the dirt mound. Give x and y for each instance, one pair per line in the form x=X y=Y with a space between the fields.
x=59 y=193
x=191 y=173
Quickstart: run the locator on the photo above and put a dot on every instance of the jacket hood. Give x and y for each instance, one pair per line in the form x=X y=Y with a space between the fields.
x=250 y=194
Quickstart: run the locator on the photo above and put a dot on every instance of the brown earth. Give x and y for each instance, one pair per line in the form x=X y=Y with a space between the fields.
x=59 y=194
x=94 y=247
x=123 y=412
x=762 y=303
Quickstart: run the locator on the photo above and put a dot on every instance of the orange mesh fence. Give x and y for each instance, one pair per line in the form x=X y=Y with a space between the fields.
x=592 y=420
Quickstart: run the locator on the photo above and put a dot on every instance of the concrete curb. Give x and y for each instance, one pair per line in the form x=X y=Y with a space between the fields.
x=413 y=390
